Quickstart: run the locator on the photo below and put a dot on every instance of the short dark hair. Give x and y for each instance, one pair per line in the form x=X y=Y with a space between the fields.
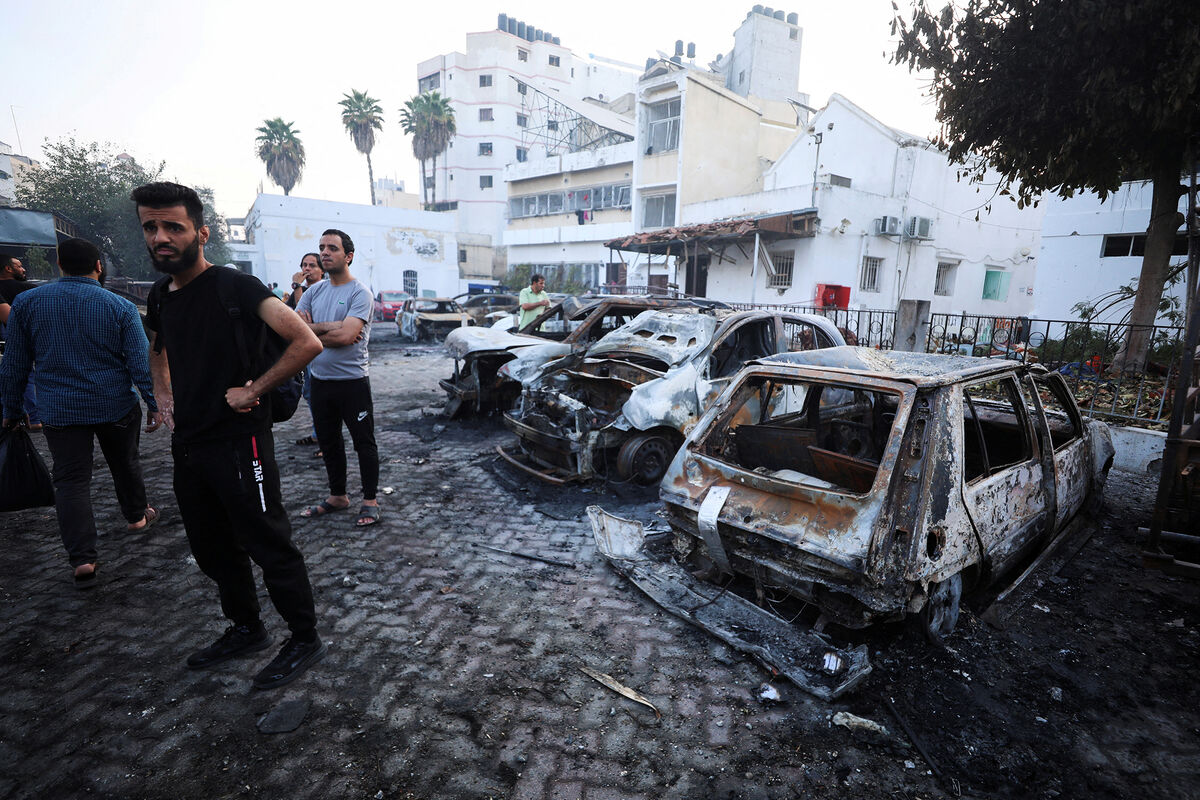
x=164 y=194
x=77 y=256
x=317 y=256
x=347 y=242
x=535 y=277
x=7 y=261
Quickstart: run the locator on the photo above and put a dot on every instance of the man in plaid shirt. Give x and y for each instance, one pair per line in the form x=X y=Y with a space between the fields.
x=90 y=352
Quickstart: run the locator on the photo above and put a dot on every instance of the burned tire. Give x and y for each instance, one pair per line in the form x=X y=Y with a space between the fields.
x=940 y=614
x=644 y=458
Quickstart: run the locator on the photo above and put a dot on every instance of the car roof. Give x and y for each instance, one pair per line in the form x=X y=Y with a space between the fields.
x=922 y=369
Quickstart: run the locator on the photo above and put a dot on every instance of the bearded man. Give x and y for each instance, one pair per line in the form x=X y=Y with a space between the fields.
x=201 y=318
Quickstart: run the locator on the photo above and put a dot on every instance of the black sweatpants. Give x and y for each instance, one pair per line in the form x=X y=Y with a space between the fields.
x=334 y=403
x=232 y=508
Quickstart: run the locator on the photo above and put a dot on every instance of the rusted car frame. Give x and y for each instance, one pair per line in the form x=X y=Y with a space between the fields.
x=622 y=407
x=428 y=318
x=876 y=485
x=477 y=383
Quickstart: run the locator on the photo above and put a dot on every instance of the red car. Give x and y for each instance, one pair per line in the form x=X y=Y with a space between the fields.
x=387 y=303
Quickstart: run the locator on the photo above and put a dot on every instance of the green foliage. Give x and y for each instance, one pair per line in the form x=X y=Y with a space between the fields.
x=1066 y=96
x=429 y=119
x=37 y=266
x=280 y=148
x=1060 y=96
x=570 y=281
x=89 y=185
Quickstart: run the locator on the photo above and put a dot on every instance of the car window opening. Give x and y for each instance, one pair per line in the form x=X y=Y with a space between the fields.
x=995 y=431
x=814 y=434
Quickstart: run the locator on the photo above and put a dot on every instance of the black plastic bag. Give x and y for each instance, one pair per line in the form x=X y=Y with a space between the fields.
x=24 y=480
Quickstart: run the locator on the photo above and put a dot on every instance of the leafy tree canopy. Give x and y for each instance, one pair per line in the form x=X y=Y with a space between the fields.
x=1061 y=96
x=1068 y=95
x=89 y=184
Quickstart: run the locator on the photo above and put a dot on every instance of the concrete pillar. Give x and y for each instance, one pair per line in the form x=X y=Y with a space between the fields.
x=912 y=326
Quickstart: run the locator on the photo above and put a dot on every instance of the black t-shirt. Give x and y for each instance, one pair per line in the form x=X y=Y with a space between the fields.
x=203 y=352
x=10 y=289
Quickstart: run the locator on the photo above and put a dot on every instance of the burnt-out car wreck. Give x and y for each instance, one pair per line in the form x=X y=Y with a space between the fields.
x=873 y=485
x=479 y=384
x=621 y=408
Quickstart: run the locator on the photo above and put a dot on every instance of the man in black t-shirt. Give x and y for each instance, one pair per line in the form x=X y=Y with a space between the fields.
x=226 y=478
x=12 y=283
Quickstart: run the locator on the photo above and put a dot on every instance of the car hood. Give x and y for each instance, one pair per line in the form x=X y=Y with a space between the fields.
x=470 y=340
x=670 y=337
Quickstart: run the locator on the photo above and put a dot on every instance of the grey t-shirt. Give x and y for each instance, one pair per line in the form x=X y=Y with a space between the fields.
x=329 y=303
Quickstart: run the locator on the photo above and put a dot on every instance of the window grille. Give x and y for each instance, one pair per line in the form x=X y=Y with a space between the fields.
x=783 y=263
x=870 y=274
x=943 y=284
x=410 y=281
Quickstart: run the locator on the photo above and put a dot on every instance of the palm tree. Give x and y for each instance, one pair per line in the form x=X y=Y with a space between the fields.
x=362 y=116
x=429 y=118
x=280 y=149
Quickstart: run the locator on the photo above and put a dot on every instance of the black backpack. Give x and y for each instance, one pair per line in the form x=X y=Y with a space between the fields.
x=284 y=398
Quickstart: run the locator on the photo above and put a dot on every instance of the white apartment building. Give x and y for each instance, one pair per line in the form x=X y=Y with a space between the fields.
x=860 y=214
x=1089 y=248
x=416 y=251
x=489 y=87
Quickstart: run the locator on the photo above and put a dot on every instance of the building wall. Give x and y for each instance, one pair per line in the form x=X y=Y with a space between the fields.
x=890 y=174
x=387 y=241
x=495 y=54
x=561 y=239
x=765 y=60
x=1073 y=267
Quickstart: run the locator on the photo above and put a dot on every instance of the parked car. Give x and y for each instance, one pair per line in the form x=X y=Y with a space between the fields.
x=877 y=484
x=622 y=407
x=479 y=306
x=428 y=318
x=388 y=303
x=490 y=362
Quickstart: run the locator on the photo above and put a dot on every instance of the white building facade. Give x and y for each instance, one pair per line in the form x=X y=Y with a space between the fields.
x=401 y=249
x=488 y=87
x=894 y=223
x=1090 y=248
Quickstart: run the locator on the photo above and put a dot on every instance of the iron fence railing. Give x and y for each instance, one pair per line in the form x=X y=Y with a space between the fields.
x=864 y=327
x=1085 y=353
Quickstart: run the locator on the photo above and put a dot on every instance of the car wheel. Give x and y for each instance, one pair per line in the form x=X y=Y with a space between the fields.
x=940 y=614
x=644 y=458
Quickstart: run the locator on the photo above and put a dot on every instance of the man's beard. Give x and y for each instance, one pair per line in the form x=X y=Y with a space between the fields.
x=174 y=266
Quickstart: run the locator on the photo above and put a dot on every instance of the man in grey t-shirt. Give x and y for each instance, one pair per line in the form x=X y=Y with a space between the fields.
x=339 y=311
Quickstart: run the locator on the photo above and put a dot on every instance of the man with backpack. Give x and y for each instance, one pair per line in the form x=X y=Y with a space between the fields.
x=213 y=330
x=339 y=311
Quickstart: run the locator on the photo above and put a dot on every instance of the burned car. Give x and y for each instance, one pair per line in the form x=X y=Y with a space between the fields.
x=479 y=353
x=427 y=318
x=881 y=484
x=621 y=408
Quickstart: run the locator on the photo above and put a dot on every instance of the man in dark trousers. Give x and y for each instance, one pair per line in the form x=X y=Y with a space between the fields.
x=339 y=311
x=90 y=350
x=226 y=477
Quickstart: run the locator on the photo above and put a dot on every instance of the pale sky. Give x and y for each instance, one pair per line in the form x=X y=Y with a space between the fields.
x=188 y=82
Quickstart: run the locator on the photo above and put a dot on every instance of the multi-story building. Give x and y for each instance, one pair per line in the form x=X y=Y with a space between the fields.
x=489 y=87
x=390 y=193
x=854 y=213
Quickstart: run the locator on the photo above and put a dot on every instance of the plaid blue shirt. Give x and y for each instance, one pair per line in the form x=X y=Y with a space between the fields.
x=90 y=350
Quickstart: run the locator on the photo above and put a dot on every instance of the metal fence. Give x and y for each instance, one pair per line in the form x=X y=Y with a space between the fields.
x=1083 y=352
x=864 y=327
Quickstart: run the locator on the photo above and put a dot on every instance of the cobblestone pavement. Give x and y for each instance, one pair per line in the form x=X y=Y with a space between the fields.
x=453 y=670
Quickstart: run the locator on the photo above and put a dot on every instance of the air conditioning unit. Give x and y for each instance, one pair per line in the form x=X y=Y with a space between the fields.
x=888 y=226
x=920 y=228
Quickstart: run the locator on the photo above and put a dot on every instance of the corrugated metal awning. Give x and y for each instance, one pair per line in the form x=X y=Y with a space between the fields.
x=19 y=226
x=790 y=225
